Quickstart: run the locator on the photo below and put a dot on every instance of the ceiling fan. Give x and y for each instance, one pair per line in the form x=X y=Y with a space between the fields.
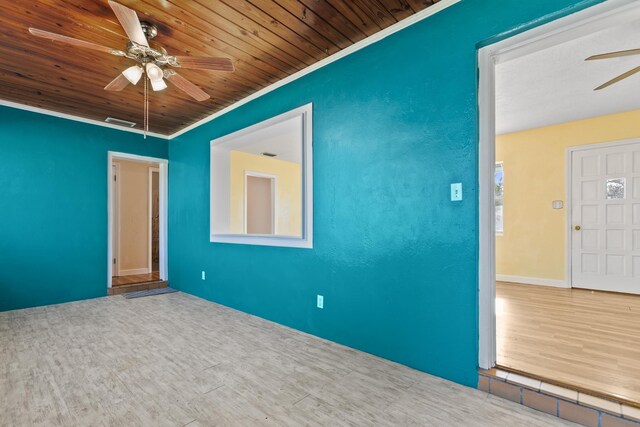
x=616 y=55
x=155 y=63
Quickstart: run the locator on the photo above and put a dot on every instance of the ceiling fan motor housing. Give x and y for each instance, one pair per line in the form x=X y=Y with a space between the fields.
x=149 y=30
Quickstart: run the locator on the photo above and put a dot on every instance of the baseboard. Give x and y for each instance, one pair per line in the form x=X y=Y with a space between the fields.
x=532 y=281
x=134 y=271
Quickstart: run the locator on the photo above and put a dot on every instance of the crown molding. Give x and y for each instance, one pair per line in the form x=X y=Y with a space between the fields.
x=38 y=110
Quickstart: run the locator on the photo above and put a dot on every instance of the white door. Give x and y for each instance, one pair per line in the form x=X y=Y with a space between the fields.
x=605 y=212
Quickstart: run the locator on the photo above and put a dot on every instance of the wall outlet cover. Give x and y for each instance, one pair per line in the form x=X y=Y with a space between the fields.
x=456 y=192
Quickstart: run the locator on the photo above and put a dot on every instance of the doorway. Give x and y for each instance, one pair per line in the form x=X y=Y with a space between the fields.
x=548 y=328
x=260 y=204
x=137 y=215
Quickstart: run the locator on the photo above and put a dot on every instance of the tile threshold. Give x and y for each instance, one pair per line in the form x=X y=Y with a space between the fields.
x=570 y=401
x=513 y=373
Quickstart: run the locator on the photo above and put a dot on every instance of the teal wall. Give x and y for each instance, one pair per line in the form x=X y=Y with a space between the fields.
x=396 y=261
x=53 y=206
x=394 y=125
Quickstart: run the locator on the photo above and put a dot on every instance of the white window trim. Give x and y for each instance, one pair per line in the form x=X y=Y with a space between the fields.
x=306 y=241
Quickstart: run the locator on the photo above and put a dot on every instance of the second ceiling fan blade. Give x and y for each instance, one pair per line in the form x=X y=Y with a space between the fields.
x=619 y=78
x=117 y=84
x=128 y=18
x=614 y=54
x=73 y=42
x=205 y=63
x=186 y=86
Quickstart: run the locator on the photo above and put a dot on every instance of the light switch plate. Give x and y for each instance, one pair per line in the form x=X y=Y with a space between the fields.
x=456 y=192
x=320 y=301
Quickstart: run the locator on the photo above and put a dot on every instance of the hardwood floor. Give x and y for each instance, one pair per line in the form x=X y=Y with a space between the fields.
x=136 y=287
x=135 y=278
x=177 y=360
x=584 y=338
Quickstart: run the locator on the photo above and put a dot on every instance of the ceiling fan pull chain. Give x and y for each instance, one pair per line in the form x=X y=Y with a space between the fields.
x=146 y=107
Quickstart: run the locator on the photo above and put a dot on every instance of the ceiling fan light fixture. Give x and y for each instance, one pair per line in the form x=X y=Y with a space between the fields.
x=154 y=72
x=133 y=74
x=158 y=85
x=147 y=59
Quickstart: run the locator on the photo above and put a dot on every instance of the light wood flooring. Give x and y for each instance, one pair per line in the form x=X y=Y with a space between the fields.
x=177 y=360
x=135 y=278
x=583 y=338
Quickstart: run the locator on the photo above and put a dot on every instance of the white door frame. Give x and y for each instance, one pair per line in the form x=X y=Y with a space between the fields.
x=569 y=203
x=595 y=18
x=113 y=180
x=274 y=182
x=163 y=208
x=152 y=170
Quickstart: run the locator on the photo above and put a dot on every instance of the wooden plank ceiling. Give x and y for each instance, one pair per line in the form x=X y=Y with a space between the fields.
x=266 y=39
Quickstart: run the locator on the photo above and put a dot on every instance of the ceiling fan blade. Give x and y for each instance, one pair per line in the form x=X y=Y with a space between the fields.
x=129 y=20
x=74 y=42
x=117 y=84
x=614 y=54
x=186 y=86
x=619 y=78
x=205 y=63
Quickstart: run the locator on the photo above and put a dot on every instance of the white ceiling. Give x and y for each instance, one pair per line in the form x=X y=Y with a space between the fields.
x=282 y=139
x=555 y=85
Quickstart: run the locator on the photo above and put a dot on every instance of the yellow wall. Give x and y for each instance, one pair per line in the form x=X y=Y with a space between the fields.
x=134 y=215
x=288 y=191
x=533 y=243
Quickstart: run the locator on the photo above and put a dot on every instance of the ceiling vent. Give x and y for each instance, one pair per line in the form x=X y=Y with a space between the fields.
x=119 y=122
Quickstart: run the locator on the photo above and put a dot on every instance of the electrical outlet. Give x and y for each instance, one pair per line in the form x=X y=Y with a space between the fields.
x=320 y=301
x=456 y=192
x=204 y=276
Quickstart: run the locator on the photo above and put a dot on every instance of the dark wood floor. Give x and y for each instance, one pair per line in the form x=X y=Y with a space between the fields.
x=135 y=278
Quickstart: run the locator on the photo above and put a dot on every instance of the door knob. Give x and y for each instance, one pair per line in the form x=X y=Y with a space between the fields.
x=577 y=227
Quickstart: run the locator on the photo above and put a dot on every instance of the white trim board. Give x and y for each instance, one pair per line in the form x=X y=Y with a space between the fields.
x=115 y=233
x=52 y=113
x=612 y=12
x=374 y=38
x=555 y=283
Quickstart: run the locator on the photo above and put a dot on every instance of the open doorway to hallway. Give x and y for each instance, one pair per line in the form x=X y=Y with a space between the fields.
x=564 y=249
x=137 y=220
